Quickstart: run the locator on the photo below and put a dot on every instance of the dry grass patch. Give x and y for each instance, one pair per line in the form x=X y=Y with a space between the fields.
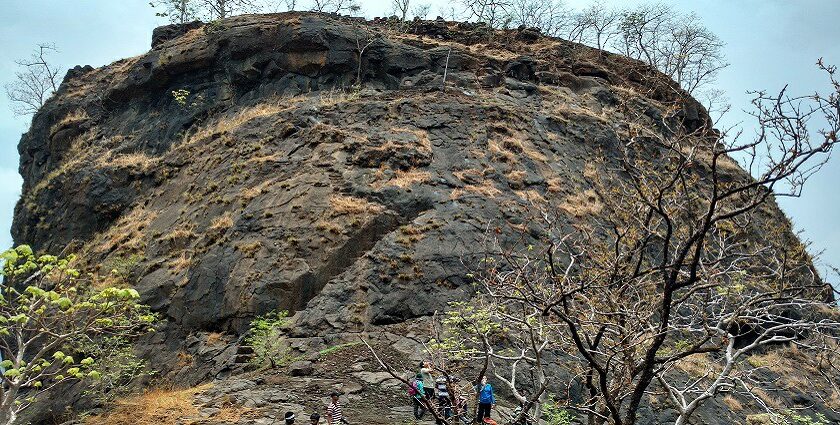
x=532 y=196
x=228 y=123
x=698 y=366
x=221 y=223
x=249 y=249
x=137 y=161
x=73 y=118
x=733 y=404
x=253 y=192
x=128 y=232
x=181 y=263
x=351 y=205
x=154 y=407
x=554 y=185
x=326 y=226
x=581 y=204
x=404 y=179
x=485 y=189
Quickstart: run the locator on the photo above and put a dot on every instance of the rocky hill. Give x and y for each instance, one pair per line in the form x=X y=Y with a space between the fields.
x=332 y=167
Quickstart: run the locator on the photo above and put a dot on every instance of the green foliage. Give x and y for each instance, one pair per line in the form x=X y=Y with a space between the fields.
x=121 y=267
x=44 y=303
x=794 y=418
x=465 y=326
x=118 y=367
x=182 y=98
x=555 y=415
x=264 y=337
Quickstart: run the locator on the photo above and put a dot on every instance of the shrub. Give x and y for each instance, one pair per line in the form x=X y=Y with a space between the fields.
x=264 y=338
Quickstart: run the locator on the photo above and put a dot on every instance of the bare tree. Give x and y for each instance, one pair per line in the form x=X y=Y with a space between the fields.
x=677 y=44
x=494 y=13
x=221 y=9
x=401 y=8
x=35 y=81
x=178 y=11
x=669 y=268
x=552 y=17
x=335 y=6
x=421 y=11
x=596 y=25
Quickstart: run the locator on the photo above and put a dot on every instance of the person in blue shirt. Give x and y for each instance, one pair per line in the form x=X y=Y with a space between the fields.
x=486 y=400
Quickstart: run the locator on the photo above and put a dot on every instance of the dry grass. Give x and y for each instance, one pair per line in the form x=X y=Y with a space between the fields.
x=554 y=185
x=733 y=404
x=517 y=177
x=180 y=234
x=582 y=204
x=697 y=366
x=485 y=189
x=226 y=124
x=253 y=192
x=334 y=96
x=154 y=407
x=326 y=226
x=73 y=118
x=221 y=223
x=351 y=205
x=404 y=179
x=180 y=263
x=137 y=161
x=532 y=196
x=249 y=249
x=127 y=234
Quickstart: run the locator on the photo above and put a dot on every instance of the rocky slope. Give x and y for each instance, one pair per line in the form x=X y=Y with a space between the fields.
x=315 y=164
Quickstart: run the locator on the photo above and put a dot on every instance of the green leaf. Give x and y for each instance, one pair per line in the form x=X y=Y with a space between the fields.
x=11 y=373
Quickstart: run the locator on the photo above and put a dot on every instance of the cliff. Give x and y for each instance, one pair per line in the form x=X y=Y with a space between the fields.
x=316 y=164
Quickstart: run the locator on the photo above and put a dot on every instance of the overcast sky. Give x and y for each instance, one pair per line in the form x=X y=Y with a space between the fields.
x=769 y=43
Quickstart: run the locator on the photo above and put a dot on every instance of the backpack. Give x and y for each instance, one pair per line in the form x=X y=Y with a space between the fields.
x=412 y=388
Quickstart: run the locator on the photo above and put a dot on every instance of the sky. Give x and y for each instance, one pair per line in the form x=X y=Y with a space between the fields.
x=769 y=43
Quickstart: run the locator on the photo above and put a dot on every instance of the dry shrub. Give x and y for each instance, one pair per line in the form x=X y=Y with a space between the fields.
x=581 y=204
x=154 y=407
x=351 y=205
x=260 y=189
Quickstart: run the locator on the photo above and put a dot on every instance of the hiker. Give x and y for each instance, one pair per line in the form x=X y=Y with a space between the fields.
x=444 y=403
x=415 y=391
x=486 y=400
x=428 y=381
x=334 y=416
x=290 y=418
x=314 y=419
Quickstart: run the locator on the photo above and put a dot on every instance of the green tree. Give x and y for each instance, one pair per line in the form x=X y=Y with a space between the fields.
x=45 y=310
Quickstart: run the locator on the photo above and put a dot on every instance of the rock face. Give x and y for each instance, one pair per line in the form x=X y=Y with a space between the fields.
x=315 y=164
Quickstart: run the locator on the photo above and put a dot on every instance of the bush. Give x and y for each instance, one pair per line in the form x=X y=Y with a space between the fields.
x=264 y=338
x=555 y=415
